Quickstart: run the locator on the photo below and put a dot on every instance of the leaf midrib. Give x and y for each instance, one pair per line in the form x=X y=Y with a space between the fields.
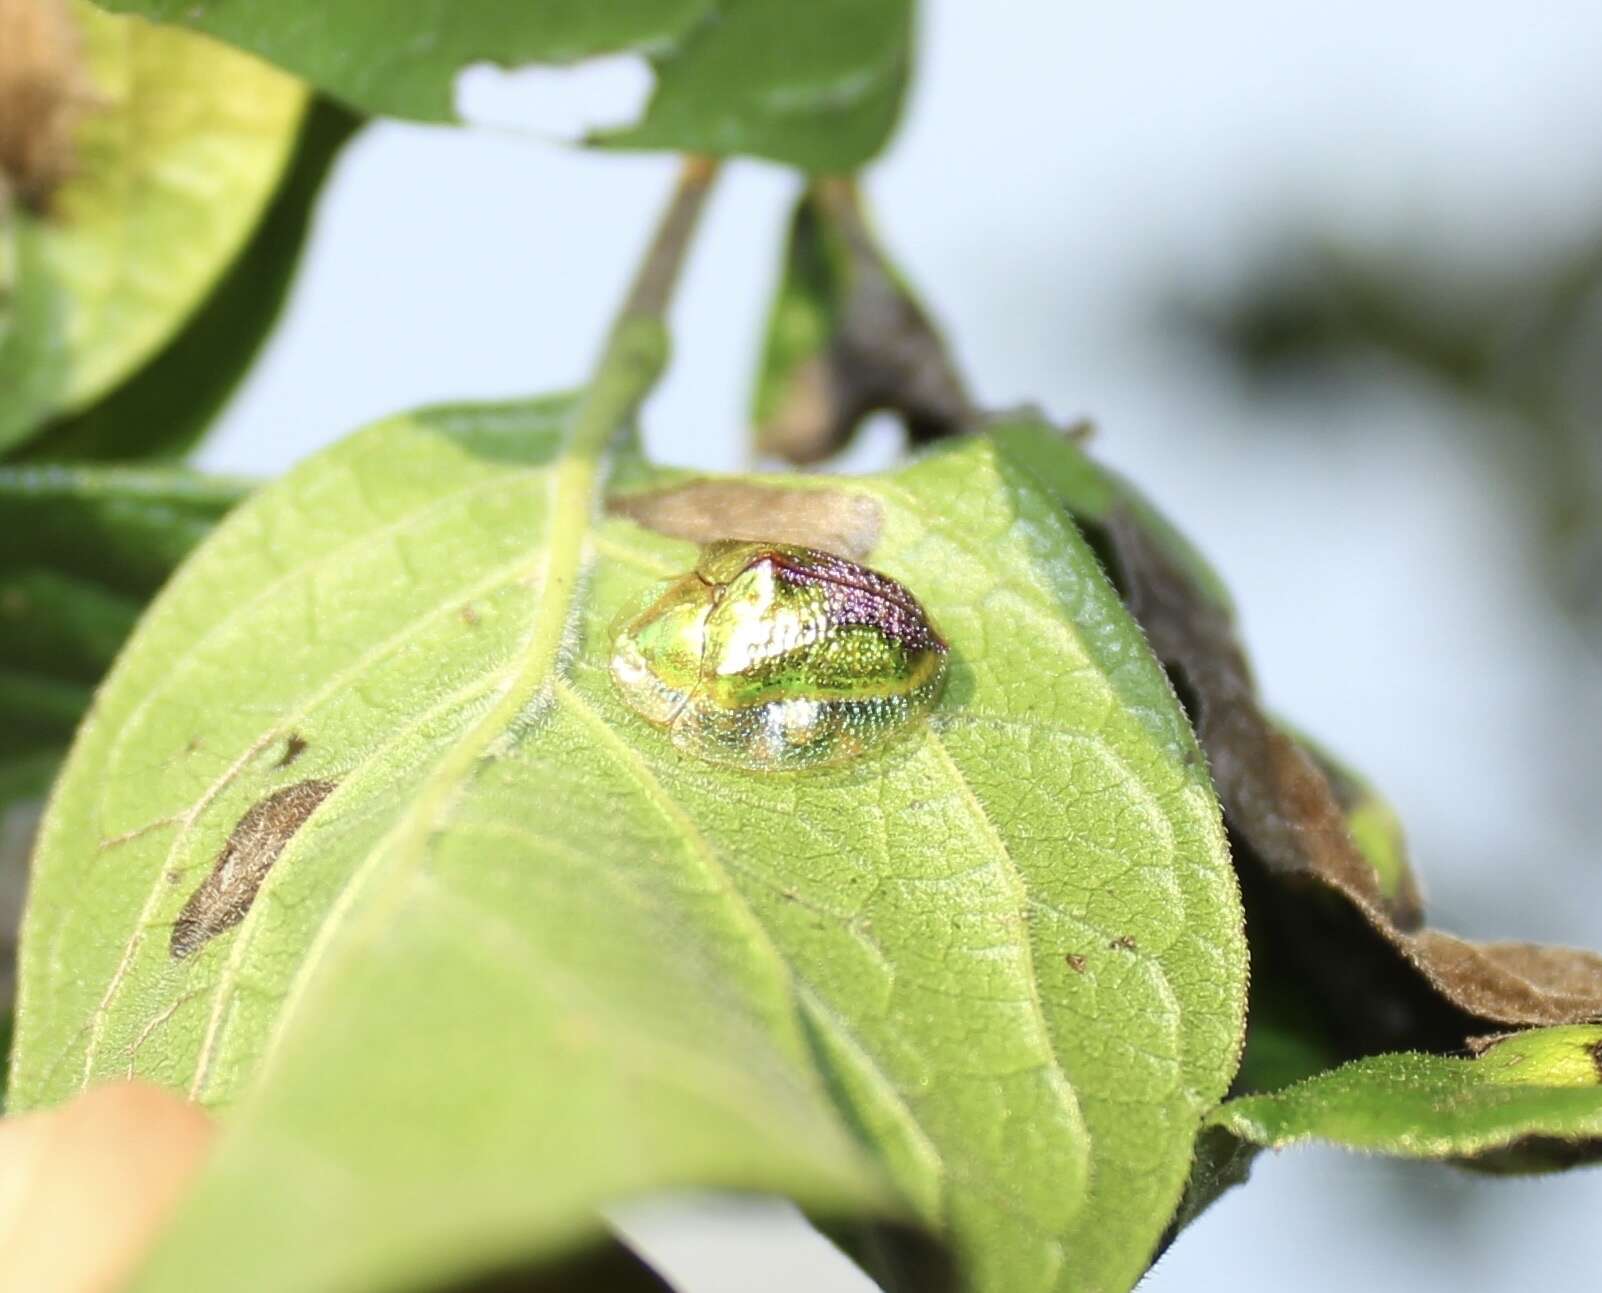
x=573 y=493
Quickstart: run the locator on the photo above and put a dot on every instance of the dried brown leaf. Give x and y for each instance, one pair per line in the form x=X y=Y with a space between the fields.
x=1392 y=981
x=882 y=351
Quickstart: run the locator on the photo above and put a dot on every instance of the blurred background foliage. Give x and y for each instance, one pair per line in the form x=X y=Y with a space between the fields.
x=1515 y=343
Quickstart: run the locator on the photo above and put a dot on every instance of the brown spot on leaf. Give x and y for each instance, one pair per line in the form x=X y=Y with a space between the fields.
x=704 y=511
x=1313 y=900
x=1123 y=943
x=243 y=863
x=1075 y=962
x=469 y=615
x=44 y=92
x=294 y=747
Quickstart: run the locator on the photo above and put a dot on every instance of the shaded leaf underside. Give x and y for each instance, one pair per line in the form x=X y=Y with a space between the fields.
x=846 y=337
x=81 y=551
x=562 y=963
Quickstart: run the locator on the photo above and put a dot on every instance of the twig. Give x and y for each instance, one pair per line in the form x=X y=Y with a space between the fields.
x=636 y=349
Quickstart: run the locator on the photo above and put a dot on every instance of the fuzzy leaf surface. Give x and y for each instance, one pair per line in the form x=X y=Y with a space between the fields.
x=988 y=979
x=1530 y=1101
x=817 y=86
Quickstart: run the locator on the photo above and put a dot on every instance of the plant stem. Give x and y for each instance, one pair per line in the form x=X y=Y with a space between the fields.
x=636 y=348
x=659 y=271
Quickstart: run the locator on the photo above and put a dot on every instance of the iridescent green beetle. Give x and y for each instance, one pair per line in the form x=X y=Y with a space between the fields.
x=775 y=658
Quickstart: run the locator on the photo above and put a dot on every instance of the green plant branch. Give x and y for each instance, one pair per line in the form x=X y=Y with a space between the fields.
x=654 y=281
x=636 y=348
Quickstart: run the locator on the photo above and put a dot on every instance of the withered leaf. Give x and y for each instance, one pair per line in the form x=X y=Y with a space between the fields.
x=703 y=511
x=243 y=863
x=1390 y=981
x=865 y=345
x=1376 y=831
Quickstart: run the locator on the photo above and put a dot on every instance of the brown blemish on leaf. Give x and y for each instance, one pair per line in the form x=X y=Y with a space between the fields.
x=469 y=615
x=44 y=92
x=1308 y=889
x=705 y=511
x=254 y=845
x=1123 y=943
x=1075 y=962
x=294 y=747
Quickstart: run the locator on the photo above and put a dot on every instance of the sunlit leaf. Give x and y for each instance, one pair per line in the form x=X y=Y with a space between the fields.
x=167 y=148
x=498 y=952
x=169 y=403
x=1345 y=917
x=1530 y=1101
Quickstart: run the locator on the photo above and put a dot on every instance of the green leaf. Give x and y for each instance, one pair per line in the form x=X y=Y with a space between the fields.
x=1530 y=1101
x=1290 y=1032
x=61 y=623
x=819 y=88
x=173 y=146
x=124 y=527
x=1344 y=921
x=1097 y=497
x=816 y=86
x=165 y=408
x=510 y=938
x=81 y=551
